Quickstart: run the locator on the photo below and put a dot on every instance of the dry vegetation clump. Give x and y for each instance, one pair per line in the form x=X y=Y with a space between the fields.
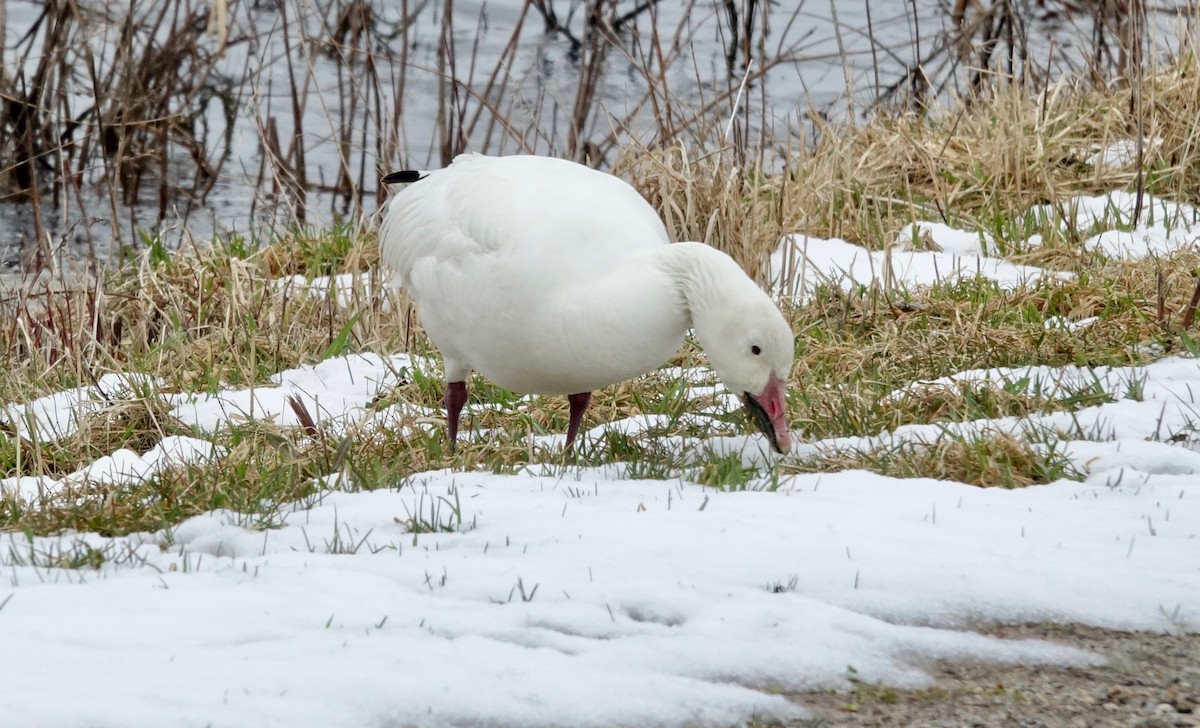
x=238 y=312
x=117 y=92
x=136 y=422
x=995 y=460
x=232 y=313
x=48 y=330
x=709 y=199
x=981 y=165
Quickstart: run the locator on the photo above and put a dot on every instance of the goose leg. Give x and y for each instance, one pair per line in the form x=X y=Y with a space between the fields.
x=456 y=397
x=579 y=404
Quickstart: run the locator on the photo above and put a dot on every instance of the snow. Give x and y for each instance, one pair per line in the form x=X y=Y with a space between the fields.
x=801 y=264
x=334 y=392
x=1118 y=154
x=576 y=595
x=557 y=586
x=57 y=415
x=1150 y=426
x=939 y=236
x=659 y=590
x=1163 y=226
x=345 y=289
x=122 y=467
x=1061 y=322
x=1118 y=208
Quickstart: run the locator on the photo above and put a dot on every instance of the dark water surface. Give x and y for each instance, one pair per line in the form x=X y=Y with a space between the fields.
x=374 y=105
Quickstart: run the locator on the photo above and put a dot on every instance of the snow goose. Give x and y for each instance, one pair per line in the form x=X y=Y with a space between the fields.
x=549 y=277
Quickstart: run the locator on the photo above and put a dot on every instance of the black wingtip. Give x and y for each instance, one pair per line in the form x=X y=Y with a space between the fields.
x=403 y=177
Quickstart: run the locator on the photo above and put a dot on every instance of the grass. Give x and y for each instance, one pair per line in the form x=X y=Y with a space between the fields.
x=234 y=313
x=986 y=460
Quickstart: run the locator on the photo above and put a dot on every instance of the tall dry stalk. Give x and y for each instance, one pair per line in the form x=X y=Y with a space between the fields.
x=171 y=82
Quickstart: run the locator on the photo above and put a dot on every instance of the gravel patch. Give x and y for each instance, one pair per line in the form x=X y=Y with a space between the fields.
x=1150 y=681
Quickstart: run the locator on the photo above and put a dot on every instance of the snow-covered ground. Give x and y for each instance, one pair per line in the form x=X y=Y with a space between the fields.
x=803 y=263
x=576 y=596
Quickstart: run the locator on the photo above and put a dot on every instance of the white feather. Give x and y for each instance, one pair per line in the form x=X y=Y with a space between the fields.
x=548 y=277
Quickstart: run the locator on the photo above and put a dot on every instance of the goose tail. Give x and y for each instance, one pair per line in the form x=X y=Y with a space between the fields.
x=404 y=176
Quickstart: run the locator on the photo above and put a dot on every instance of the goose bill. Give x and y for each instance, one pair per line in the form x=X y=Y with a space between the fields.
x=769 y=414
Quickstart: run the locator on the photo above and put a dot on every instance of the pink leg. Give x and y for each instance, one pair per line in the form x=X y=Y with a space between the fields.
x=456 y=397
x=579 y=403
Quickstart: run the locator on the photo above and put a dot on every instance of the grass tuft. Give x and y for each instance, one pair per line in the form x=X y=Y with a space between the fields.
x=235 y=313
x=992 y=460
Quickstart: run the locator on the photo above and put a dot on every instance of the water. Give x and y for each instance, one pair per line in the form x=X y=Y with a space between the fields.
x=291 y=78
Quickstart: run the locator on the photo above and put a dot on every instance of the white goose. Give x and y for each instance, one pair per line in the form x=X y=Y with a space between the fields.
x=549 y=277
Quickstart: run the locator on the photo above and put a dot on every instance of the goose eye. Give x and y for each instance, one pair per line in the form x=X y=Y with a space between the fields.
x=755 y=350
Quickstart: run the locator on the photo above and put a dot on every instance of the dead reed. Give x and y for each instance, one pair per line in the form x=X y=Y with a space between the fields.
x=143 y=102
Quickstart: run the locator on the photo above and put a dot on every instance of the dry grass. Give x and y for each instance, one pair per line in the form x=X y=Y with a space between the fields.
x=225 y=314
x=117 y=104
x=220 y=316
x=998 y=460
x=980 y=165
x=143 y=105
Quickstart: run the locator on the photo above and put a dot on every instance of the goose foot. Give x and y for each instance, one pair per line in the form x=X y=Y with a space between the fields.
x=456 y=397
x=579 y=404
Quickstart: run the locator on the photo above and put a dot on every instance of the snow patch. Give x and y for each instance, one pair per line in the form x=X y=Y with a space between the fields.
x=345 y=289
x=666 y=591
x=941 y=237
x=1163 y=226
x=801 y=264
x=1118 y=154
x=57 y=415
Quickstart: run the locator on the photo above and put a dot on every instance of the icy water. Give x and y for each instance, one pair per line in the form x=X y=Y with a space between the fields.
x=359 y=115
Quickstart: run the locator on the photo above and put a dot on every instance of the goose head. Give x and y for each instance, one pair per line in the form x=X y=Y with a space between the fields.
x=750 y=347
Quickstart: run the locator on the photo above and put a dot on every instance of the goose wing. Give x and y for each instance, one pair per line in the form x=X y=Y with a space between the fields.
x=538 y=218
